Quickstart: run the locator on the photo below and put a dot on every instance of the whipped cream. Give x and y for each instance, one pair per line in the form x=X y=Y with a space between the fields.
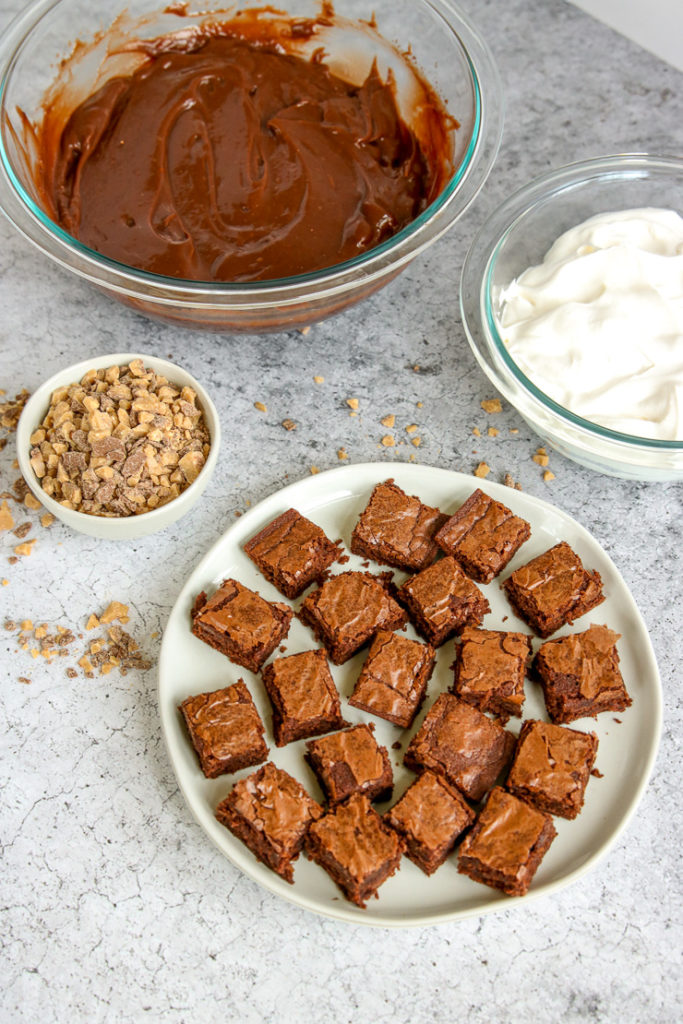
x=598 y=326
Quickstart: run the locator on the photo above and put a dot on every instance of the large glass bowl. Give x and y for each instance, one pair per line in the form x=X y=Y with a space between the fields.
x=517 y=236
x=444 y=46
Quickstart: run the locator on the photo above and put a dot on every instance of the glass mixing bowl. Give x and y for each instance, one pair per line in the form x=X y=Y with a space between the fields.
x=517 y=236
x=448 y=51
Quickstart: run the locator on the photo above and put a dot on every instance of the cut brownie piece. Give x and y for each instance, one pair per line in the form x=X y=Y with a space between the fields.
x=441 y=600
x=226 y=730
x=351 y=762
x=394 y=678
x=304 y=698
x=431 y=816
x=553 y=589
x=239 y=623
x=483 y=536
x=348 y=609
x=462 y=745
x=552 y=767
x=397 y=529
x=490 y=669
x=507 y=843
x=355 y=847
x=292 y=552
x=580 y=675
x=270 y=812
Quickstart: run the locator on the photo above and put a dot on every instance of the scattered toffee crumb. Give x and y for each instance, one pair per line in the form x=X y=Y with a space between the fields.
x=11 y=410
x=289 y=424
x=482 y=470
x=510 y=482
x=597 y=774
x=491 y=405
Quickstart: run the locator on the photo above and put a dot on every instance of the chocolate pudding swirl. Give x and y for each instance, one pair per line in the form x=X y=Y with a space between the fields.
x=222 y=159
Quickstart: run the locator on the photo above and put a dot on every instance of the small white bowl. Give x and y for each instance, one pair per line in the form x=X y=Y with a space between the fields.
x=125 y=527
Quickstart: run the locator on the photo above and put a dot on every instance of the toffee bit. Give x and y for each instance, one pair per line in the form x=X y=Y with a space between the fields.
x=342 y=454
x=388 y=421
x=314 y=470
x=548 y=476
x=6 y=517
x=261 y=407
x=352 y=403
x=476 y=431
x=510 y=482
x=417 y=441
x=26 y=548
x=289 y=424
x=411 y=428
x=388 y=441
x=491 y=405
x=319 y=380
x=22 y=531
x=482 y=470
x=493 y=432
x=11 y=410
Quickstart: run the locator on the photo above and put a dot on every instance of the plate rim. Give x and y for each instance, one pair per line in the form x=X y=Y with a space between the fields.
x=499 y=902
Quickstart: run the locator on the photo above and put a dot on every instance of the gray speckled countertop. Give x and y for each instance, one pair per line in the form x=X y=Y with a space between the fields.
x=115 y=906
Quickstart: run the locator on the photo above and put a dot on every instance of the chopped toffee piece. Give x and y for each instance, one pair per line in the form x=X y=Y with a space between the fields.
x=552 y=767
x=239 y=623
x=462 y=745
x=355 y=847
x=490 y=670
x=304 y=698
x=292 y=552
x=226 y=730
x=442 y=600
x=351 y=762
x=483 y=536
x=553 y=589
x=507 y=843
x=270 y=812
x=349 y=609
x=397 y=529
x=393 y=680
x=580 y=675
x=431 y=816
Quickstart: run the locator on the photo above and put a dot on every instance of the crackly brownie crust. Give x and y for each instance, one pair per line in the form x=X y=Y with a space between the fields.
x=303 y=695
x=431 y=816
x=351 y=762
x=396 y=529
x=226 y=730
x=462 y=745
x=355 y=847
x=239 y=623
x=507 y=843
x=393 y=680
x=483 y=536
x=490 y=669
x=270 y=812
x=580 y=675
x=292 y=552
x=552 y=766
x=441 y=600
x=348 y=609
x=553 y=589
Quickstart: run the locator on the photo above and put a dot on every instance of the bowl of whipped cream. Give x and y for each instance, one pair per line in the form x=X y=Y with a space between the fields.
x=572 y=300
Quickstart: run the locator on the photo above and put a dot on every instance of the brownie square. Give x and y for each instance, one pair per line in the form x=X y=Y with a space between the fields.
x=483 y=536
x=431 y=816
x=270 y=812
x=239 y=623
x=553 y=589
x=462 y=745
x=304 y=698
x=393 y=680
x=580 y=675
x=490 y=669
x=397 y=529
x=226 y=730
x=552 y=767
x=348 y=609
x=292 y=552
x=355 y=847
x=507 y=843
x=351 y=762
x=441 y=600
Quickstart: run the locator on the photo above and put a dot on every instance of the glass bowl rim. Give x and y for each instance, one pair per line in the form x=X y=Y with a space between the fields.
x=488 y=243
x=385 y=258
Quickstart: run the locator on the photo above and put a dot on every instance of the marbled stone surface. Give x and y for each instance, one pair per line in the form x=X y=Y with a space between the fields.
x=115 y=907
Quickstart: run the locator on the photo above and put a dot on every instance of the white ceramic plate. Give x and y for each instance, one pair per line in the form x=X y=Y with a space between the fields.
x=334 y=500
